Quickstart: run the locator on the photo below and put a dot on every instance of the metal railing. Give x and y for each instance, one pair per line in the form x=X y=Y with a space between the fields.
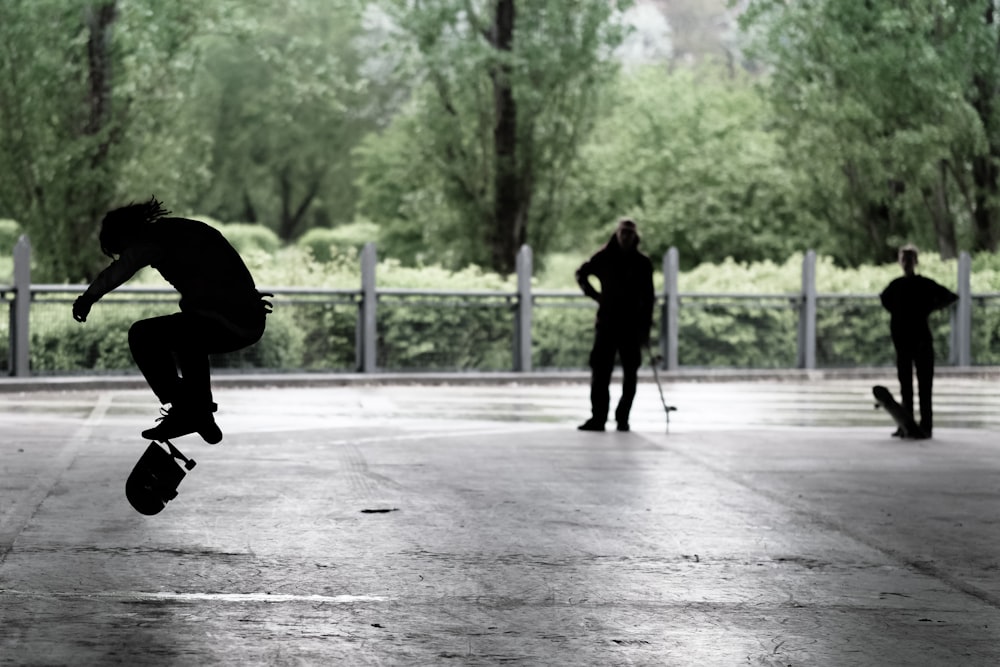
x=372 y=328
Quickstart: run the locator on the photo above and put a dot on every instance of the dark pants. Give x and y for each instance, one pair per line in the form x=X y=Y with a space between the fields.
x=921 y=355
x=162 y=346
x=607 y=344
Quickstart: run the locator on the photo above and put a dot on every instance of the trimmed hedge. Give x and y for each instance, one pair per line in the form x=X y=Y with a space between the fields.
x=457 y=333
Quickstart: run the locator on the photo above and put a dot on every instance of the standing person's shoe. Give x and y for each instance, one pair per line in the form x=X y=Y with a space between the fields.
x=182 y=420
x=623 y=427
x=591 y=425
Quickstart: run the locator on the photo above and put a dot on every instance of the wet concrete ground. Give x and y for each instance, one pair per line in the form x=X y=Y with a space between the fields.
x=777 y=524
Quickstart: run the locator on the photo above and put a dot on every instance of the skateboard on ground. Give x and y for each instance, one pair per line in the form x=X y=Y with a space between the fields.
x=155 y=477
x=903 y=419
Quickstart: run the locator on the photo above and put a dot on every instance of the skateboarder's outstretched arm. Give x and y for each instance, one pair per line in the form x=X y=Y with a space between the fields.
x=116 y=274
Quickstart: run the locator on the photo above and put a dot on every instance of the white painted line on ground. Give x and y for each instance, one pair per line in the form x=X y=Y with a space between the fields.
x=159 y=596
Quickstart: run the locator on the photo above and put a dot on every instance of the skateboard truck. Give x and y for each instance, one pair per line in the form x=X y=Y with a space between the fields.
x=189 y=463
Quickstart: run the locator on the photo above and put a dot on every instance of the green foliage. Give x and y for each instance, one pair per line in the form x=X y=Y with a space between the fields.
x=888 y=110
x=325 y=244
x=687 y=154
x=248 y=238
x=287 y=102
x=444 y=332
x=59 y=344
x=417 y=223
x=83 y=88
x=733 y=314
x=455 y=157
x=10 y=232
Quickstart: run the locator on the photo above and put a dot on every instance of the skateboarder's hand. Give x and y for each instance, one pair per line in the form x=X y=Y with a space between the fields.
x=81 y=308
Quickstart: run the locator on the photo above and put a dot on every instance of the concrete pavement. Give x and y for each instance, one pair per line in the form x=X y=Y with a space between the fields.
x=776 y=524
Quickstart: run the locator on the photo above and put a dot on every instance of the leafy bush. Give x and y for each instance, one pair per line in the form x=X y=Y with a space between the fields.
x=438 y=331
x=10 y=232
x=443 y=332
x=325 y=244
x=60 y=344
x=247 y=238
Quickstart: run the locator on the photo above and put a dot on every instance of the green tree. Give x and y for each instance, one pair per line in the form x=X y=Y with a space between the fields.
x=508 y=94
x=688 y=154
x=286 y=103
x=80 y=83
x=890 y=109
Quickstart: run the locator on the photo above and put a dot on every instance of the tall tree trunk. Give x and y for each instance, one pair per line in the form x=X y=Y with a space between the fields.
x=508 y=228
x=99 y=19
x=292 y=215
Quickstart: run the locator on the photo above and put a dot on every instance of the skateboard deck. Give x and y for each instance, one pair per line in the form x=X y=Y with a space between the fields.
x=154 y=480
x=903 y=419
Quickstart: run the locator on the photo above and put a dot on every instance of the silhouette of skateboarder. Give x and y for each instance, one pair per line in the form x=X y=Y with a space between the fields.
x=624 y=315
x=220 y=309
x=910 y=300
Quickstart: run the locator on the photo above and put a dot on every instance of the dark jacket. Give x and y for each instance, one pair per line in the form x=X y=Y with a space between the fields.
x=198 y=261
x=910 y=300
x=626 y=296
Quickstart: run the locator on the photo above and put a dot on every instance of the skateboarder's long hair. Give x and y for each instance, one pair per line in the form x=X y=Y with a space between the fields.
x=127 y=224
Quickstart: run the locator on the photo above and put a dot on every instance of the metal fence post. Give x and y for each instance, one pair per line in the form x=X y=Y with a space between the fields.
x=21 y=311
x=961 y=337
x=807 y=313
x=670 y=318
x=366 y=318
x=522 y=320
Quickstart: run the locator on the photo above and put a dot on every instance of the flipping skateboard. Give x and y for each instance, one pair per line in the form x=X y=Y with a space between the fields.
x=904 y=420
x=155 y=477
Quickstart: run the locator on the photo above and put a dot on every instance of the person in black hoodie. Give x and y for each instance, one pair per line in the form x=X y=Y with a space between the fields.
x=624 y=316
x=220 y=309
x=910 y=300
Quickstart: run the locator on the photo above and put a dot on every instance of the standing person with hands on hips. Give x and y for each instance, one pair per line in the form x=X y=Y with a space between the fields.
x=624 y=317
x=910 y=299
x=220 y=309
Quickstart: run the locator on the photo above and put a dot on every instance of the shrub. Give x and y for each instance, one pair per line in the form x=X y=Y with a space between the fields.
x=10 y=232
x=248 y=238
x=325 y=243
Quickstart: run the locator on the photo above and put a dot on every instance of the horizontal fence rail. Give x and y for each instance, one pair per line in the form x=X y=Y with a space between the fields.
x=372 y=328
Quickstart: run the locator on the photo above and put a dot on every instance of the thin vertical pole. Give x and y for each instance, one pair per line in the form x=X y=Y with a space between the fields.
x=522 y=334
x=962 y=322
x=807 y=314
x=671 y=304
x=21 y=312
x=369 y=258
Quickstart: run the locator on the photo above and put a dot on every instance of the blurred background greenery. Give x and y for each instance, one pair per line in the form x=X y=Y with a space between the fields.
x=452 y=131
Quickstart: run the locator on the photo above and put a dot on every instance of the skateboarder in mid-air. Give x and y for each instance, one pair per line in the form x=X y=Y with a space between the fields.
x=624 y=315
x=910 y=300
x=220 y=309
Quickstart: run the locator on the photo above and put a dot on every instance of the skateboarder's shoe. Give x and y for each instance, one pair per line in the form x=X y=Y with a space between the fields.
x=623 y=427
x=182 y=420
x=591 y=425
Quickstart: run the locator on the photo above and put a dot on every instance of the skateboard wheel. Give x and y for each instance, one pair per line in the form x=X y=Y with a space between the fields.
x=190 y=464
